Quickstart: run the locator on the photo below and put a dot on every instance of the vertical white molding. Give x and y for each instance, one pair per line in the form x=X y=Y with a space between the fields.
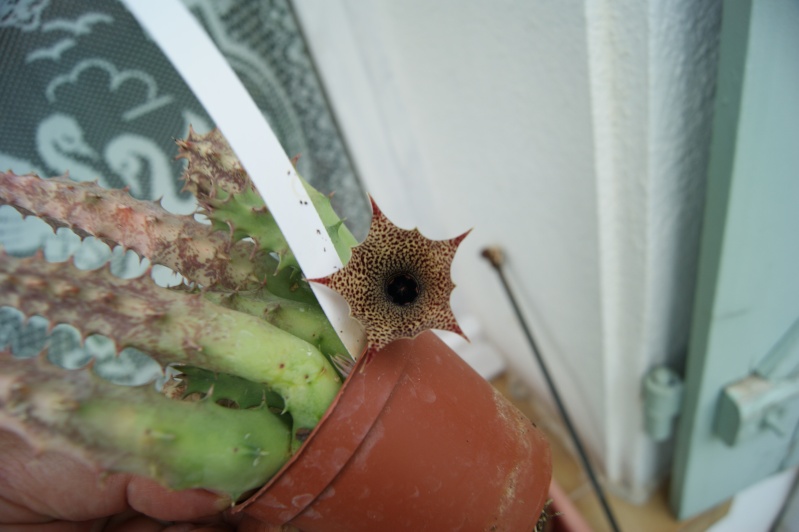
x=618 y=66
x=652 y=69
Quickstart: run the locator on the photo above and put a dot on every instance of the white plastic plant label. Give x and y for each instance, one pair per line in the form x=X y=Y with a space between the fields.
x=216 y=86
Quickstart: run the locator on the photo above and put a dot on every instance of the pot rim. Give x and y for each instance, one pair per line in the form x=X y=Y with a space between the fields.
x=389 y=367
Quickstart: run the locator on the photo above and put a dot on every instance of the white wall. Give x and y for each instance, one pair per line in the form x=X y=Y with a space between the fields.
x=571 y=133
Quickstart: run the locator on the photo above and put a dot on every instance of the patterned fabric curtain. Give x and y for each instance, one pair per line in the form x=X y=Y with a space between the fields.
x=83 y=90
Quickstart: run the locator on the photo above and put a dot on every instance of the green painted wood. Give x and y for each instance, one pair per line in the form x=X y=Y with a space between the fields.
x=748 y=282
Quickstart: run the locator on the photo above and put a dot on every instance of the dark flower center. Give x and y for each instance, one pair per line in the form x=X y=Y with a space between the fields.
x=402 y=289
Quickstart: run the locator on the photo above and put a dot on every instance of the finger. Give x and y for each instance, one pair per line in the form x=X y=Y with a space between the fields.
x=144 y=524
x=54 y=526
x=137 y=523
x=14 y=512
x=150 y=498
x=198 y=528
x=250 y=524
x=39 y=486
x=141 y=523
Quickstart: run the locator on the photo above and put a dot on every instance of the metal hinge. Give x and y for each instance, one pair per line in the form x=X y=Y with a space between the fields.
x=764 y=407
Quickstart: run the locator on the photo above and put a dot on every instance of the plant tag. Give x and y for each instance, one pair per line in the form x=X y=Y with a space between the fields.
x=205 y=70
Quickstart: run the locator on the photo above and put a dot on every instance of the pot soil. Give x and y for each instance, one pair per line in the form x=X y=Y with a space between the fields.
x=415 y=440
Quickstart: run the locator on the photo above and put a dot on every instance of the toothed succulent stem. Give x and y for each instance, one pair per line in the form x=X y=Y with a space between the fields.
x=229 y=199
x=246 y=331
x=137 y=430
x=179 y=242
x=302 y=319
x=175 y=327
x=224 y=389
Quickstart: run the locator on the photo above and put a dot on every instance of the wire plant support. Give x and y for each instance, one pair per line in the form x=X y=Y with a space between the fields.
x=496 y=257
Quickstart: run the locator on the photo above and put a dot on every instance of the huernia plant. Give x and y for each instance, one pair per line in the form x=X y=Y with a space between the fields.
x=258 y=362
x=397 y=283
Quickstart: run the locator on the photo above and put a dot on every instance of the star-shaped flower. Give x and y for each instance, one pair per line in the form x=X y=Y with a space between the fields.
x=397 y=283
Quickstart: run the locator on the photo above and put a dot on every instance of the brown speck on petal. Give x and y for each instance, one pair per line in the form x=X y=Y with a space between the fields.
x=397 y=283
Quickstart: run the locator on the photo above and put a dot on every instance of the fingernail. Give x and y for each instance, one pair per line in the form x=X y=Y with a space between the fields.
x=223 y=503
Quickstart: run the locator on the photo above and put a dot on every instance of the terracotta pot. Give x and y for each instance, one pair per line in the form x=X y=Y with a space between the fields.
x=415 y=440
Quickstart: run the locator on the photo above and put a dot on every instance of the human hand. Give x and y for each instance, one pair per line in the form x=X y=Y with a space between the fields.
x=51 y=492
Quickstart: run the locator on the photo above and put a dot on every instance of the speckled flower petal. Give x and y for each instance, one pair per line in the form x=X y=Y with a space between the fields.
x=397 y=283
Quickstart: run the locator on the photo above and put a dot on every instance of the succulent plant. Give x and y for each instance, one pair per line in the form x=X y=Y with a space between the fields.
x=397 y=282
x=244 y=329
x=254 y=354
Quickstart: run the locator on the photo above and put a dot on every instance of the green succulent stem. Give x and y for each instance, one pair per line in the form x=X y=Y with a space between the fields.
x=173 y=327
x=343 y=239
x=139 y=431
x=229 y=199
x=223 y=388
x=303 y=319
x=246 y=330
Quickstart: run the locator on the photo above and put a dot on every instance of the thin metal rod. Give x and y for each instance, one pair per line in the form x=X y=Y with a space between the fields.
x=496 y=258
